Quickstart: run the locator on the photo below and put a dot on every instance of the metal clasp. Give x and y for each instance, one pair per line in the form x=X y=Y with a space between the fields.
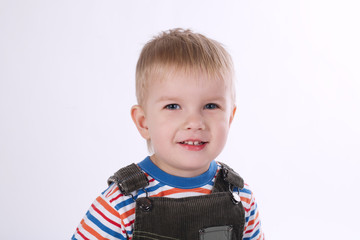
x=234 y=196
x=145 y=203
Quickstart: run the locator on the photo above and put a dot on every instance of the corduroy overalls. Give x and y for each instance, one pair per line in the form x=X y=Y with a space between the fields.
x=216 y=216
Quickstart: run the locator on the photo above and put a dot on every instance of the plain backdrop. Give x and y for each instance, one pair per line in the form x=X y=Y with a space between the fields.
x=67 y=85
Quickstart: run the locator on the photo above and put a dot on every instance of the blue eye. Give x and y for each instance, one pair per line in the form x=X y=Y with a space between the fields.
x=211 y=106
x=172 y=106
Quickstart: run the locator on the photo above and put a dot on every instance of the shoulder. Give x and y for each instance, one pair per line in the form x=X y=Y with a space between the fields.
x=245 y=193
x=115 y=198
x=247 y=197
x=103 y=218
x=120 y=206
x=253 y=228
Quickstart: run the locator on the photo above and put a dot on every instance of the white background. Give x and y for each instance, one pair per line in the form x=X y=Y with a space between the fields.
x=67 y=84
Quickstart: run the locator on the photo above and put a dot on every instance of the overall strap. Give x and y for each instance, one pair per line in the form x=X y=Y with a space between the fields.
x=231 y=176
x=129 y=179
x=227 y=179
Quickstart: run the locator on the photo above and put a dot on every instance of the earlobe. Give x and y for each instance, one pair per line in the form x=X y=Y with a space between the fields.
x=138 y=116
x=232 y=114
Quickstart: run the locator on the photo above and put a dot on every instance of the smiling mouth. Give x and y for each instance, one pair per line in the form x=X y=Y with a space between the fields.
x=193 y=143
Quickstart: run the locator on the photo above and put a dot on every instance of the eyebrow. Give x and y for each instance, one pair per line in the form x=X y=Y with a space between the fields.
x=220 y=98
x=175 y=99
x=167 y=98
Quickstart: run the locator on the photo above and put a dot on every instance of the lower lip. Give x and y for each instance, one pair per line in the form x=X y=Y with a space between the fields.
x=193 y=147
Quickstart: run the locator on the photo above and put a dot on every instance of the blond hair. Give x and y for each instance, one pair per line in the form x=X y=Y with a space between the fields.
x=182 y=50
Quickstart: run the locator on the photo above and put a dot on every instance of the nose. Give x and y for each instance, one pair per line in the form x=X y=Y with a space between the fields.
x=194 y=121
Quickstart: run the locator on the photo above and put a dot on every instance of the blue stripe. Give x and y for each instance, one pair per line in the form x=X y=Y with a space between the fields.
x=73 y=237
x=141 y=191
x=107 y=189
x=245 y=190
x=178 y=182
x=253 y=236
x=124 y=203
x=154 y=188
x=252 y=213
x=130 y=200
x=103 y=227
x=129 y=233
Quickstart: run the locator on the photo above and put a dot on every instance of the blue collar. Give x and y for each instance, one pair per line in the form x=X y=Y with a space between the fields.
x=179 y=182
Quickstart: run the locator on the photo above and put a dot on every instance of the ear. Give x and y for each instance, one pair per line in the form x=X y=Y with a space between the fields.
x=138 y=116
x=232 y=114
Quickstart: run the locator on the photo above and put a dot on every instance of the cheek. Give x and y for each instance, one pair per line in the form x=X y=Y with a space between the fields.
x=166 y=123
x=222 y=131
x=221 y=120
x=221 y=128
x=161 y=131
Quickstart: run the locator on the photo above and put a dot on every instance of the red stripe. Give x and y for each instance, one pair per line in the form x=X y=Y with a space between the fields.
x=129 y=224
x=249 y=231
x=77 y=230
x=147 y=175
x=105 y=217
x=120 y=195
x=249 y=209
x=115 y=189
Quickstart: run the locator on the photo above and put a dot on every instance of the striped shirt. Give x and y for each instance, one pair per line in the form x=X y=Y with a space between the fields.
x=112 y=215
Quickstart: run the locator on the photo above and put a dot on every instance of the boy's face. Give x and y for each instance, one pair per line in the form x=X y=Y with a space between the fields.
x=187 y=120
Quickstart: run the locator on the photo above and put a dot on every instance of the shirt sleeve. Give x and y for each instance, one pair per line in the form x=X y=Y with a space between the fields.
x=102 y=221
x=252 y=229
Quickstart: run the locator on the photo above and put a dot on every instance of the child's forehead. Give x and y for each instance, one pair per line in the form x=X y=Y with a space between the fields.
x=179 y=86
x=188 y=76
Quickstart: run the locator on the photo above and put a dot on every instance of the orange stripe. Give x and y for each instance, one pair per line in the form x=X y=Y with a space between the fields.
x=253 y=221
x=112 y=192
x=177 y=190
x=261 y=236
x=108 y=207
x=92 y=231
x=127 y=214
x=244 y=199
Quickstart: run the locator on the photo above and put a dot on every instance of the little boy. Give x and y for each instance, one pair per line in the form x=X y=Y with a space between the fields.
x=186 y=104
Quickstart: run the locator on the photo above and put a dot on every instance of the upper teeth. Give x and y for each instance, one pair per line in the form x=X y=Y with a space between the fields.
x=192 y=142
